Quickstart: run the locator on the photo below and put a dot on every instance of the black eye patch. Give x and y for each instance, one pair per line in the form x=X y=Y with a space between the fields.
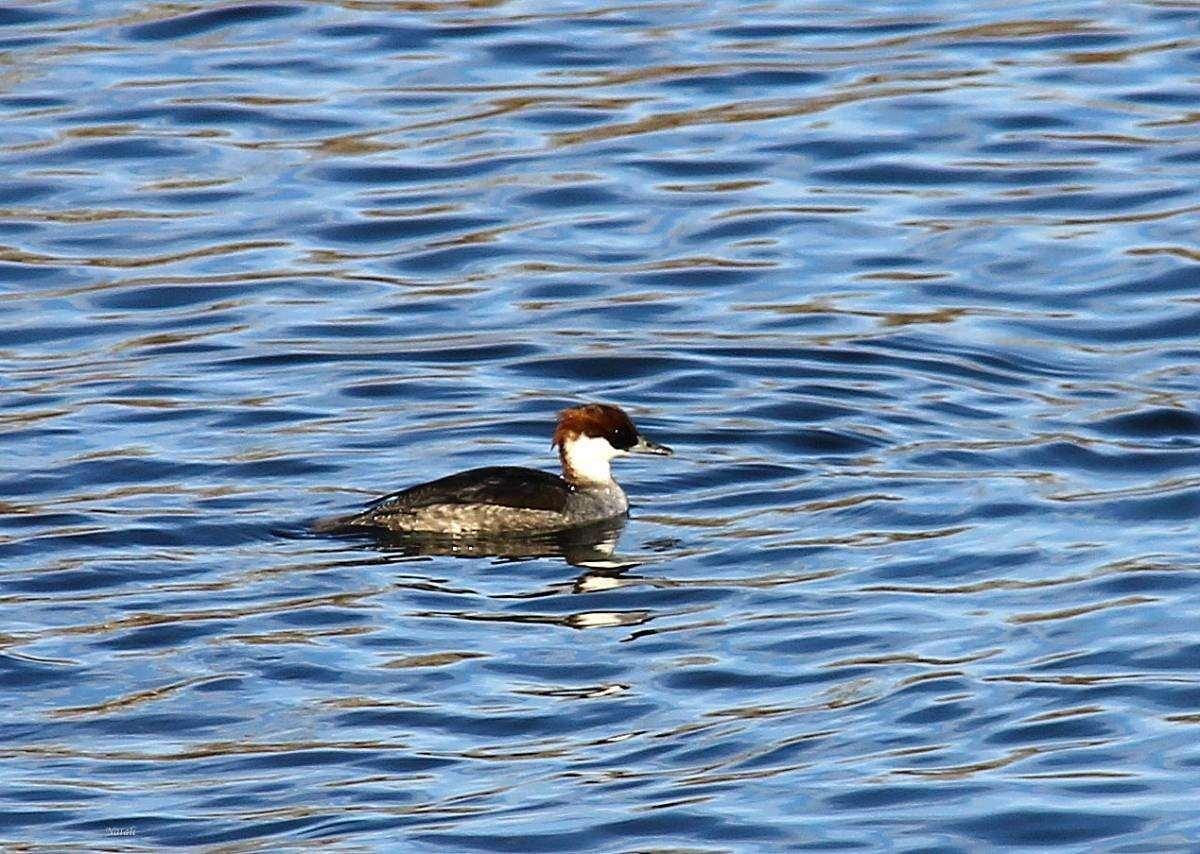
x=623 y=437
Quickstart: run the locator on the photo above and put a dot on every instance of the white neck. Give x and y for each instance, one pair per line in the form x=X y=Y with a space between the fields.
x=585 y=460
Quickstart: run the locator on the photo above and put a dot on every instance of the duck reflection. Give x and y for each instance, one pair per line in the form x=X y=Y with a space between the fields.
x=592 y=548
x=589 y=546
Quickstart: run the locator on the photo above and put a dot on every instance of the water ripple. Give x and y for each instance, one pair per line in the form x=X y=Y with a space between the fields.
x=912 y=292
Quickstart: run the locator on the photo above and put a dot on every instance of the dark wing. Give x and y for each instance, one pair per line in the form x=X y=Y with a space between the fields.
x=507 y=486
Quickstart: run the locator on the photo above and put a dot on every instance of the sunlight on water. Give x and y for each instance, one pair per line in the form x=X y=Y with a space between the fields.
x=911 y=290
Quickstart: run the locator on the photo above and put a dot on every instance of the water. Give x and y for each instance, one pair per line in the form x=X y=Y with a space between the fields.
x=912 y=290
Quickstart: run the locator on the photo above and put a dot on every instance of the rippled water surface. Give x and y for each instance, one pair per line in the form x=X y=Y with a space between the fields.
x=912 y=289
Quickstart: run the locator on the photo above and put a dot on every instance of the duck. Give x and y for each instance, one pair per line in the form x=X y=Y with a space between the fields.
x=513 y=500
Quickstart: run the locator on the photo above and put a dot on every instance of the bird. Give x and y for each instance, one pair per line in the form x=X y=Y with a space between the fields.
x=511 y=500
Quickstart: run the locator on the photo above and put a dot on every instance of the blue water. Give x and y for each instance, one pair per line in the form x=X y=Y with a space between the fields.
x=912 y=289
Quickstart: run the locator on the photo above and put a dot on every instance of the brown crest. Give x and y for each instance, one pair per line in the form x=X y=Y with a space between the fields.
x=595 y=420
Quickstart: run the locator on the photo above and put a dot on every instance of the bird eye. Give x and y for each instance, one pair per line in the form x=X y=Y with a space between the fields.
x=623 y=438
